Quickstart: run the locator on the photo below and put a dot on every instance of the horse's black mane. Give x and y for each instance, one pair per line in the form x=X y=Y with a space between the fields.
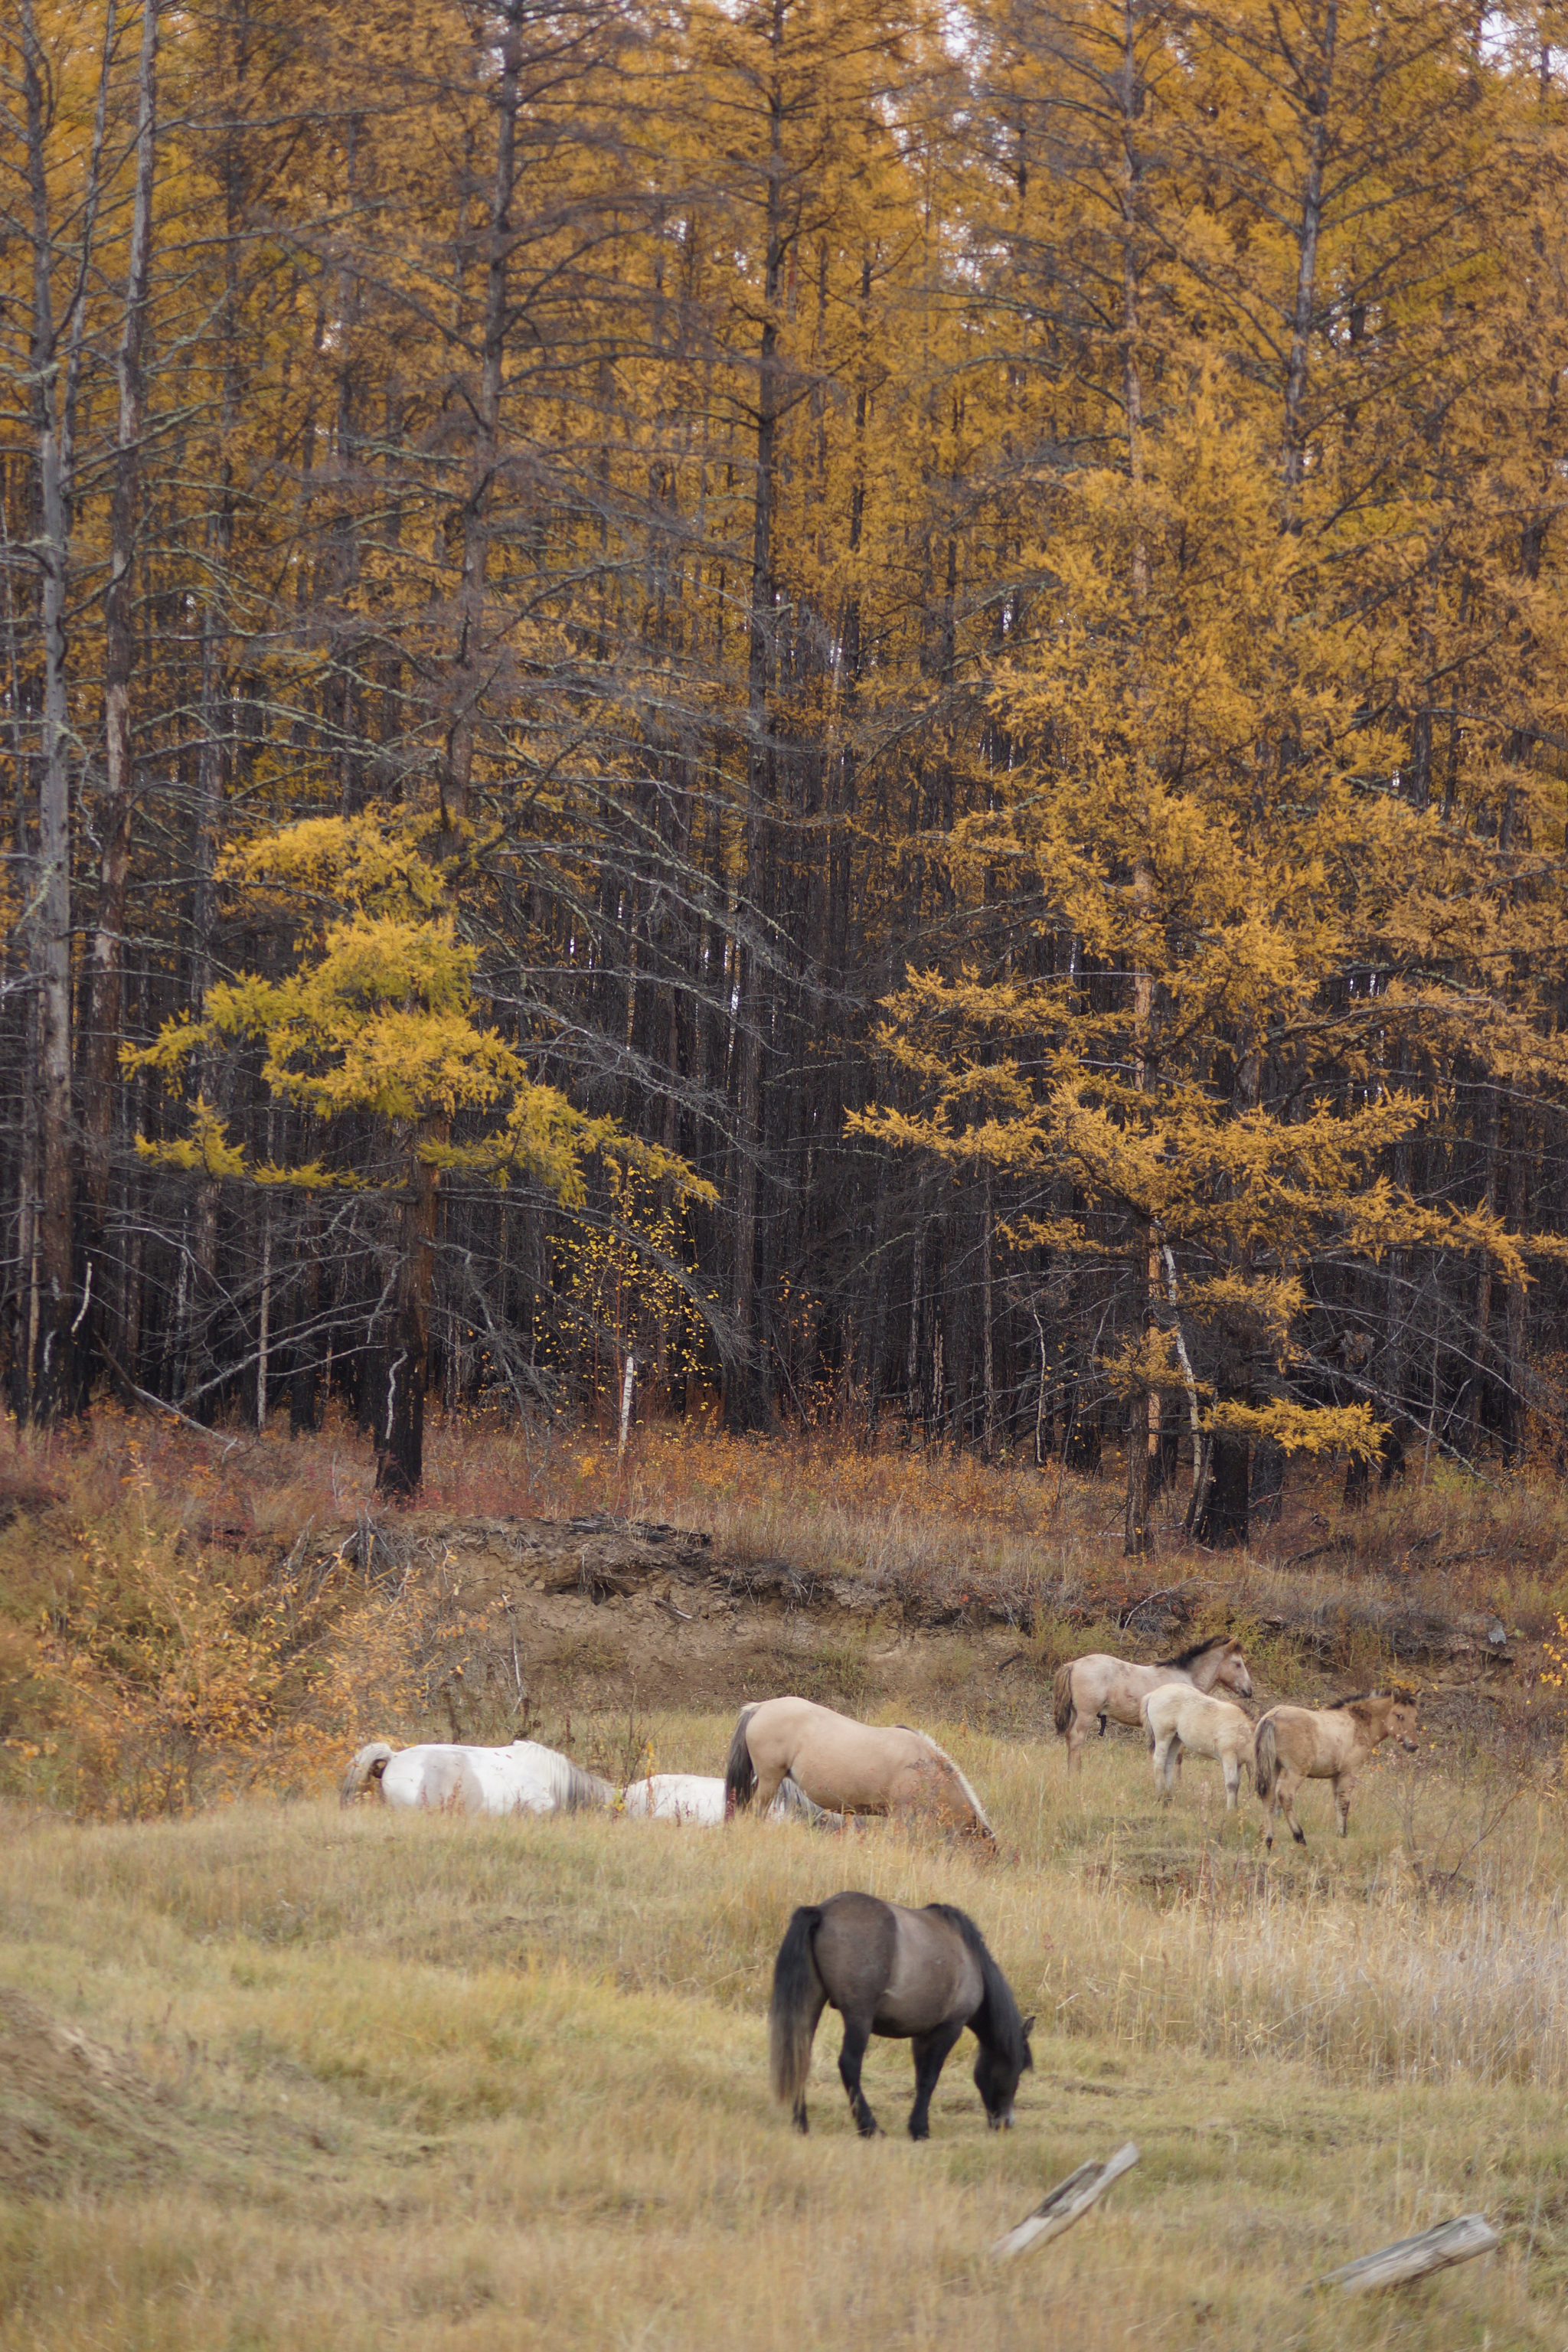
x=1007 y=2035
x=1199 y=1650
x=1352 y=1698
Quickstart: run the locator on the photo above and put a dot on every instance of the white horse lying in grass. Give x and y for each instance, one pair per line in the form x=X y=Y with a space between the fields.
x=676 y=1797
x=1176 y=1716
x=522 y=1779
x=695 y=1797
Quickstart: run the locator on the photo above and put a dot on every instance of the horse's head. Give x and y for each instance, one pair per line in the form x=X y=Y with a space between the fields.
x=997 y=2077
x=1401 y=1723
x=1234 y=1674
x=368 y=1765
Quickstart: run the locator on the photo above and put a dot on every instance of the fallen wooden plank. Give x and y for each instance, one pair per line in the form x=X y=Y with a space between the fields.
x=1068 y=2201
x=1412 y=2258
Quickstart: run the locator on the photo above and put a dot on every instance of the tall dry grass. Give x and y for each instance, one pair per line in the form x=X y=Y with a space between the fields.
x=894 y=1514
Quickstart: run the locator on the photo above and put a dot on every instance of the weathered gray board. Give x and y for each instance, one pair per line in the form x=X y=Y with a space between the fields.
x=1068 y=2201
x=1412 y=2258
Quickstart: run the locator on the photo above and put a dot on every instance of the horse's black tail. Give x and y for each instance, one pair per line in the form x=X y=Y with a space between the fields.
x=1264 y=1762
x=739 y=1772
x=1064 y=1707
x=795 y=2006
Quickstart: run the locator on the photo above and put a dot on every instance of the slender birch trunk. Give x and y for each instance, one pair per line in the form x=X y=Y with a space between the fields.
x=1316 y=101
x=53 y=416
x=102 y=1029
x=746 y=1405
x=469 y=675
x=1143 y=1413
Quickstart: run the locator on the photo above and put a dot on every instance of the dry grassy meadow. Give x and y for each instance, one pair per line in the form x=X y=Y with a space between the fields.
x=390 y=2081
x=361 y=2080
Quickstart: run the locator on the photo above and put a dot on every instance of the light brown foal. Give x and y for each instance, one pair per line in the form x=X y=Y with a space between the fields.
x=1329 y=1743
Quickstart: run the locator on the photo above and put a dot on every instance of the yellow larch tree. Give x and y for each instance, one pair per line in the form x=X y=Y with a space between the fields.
x=1191 y=1045
x=379 y=1020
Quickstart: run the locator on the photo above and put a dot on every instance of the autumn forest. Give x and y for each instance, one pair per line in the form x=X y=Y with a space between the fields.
x=866 y=703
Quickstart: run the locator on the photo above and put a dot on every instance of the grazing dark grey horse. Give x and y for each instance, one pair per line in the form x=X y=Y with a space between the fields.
x=914 y=1976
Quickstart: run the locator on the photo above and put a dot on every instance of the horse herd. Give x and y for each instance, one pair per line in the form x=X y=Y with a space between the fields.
x=917 y=1976
x=1173 y=1701
x=789 y=1757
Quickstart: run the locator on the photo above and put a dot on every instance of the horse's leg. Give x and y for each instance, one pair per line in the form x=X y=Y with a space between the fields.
x=770 y=1781
x=1343 y=1783
x=931 y=2056
x=1104 y=1719
x=1231 y=1768
x=1288 y=1784
x=1162 y=1750
x=857 y=2033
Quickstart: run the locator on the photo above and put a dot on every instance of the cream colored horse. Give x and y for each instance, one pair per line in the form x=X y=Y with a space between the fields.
x=1306 y=1743
x=1115 y=1689
x=1176 y=1716
x=848 y=1767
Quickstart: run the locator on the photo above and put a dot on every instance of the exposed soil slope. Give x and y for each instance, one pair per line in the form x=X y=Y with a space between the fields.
x=536 y=1609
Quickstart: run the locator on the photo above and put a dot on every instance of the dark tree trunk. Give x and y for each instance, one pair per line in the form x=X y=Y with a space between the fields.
x=1224 y=1524
x=1267 y=1496
x=304 y=1388
x=400 y=1424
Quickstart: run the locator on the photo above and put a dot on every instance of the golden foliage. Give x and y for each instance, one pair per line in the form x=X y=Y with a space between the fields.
x=381 y=1016
x=172 y=1680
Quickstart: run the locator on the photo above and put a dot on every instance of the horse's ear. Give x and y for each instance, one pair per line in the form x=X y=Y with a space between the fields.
x=1029 y=2025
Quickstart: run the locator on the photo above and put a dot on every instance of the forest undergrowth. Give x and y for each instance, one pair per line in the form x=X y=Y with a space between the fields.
x=182 y=1621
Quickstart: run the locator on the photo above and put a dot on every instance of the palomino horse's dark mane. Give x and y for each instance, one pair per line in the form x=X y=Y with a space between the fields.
x=1199 y=1650
x=1008 y=2035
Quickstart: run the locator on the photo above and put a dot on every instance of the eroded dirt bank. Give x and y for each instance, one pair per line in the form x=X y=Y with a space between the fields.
x=529 y=1612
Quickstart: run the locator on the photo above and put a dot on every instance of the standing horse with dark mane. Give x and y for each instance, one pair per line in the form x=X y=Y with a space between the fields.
x=914 y=1976
x=1114 y=1689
